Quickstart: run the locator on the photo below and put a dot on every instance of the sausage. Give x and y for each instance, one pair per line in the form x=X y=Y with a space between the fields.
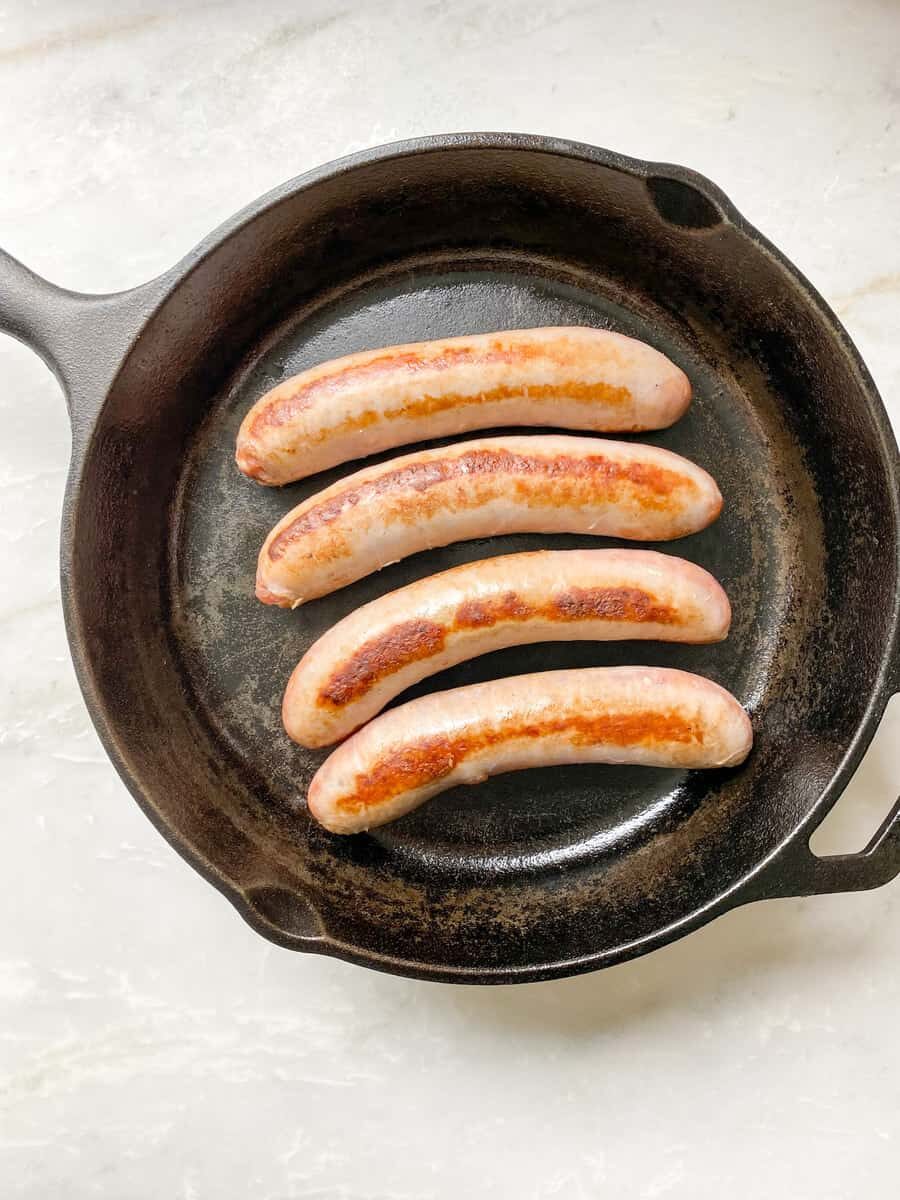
x=574 y=378
x=537 y=484
x=641 y=715
x=376 y=652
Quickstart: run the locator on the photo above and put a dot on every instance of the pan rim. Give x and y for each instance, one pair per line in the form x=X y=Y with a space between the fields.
x=166 y=284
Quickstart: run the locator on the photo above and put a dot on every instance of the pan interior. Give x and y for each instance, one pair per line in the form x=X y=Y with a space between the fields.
x=239 y=654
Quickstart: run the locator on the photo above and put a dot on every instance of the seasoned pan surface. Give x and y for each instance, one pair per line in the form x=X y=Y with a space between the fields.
x=767 y=547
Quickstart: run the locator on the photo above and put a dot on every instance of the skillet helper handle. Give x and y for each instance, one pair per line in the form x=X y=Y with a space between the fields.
x=803 y=873
x=82 y=338
x=799 y=872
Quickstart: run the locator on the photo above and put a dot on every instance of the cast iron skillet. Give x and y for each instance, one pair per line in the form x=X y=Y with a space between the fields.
x=530 y=875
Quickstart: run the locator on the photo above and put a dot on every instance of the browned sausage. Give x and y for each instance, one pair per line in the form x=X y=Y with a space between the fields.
x=376 y=652
x=641 y=715
x=574 y=378
x=537 y=484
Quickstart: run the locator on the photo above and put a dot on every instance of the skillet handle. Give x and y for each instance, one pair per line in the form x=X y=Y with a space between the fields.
x=82 y=338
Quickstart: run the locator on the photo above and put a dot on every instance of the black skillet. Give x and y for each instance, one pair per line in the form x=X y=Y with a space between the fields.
x=531 y=875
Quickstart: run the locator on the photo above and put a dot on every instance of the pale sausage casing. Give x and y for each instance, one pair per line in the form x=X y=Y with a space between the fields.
x=537 y=484
x=381 y=649
x=351 y=407
x=641 y=715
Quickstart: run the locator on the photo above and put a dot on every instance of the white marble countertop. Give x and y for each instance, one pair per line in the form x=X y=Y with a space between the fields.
x=150 y=1044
